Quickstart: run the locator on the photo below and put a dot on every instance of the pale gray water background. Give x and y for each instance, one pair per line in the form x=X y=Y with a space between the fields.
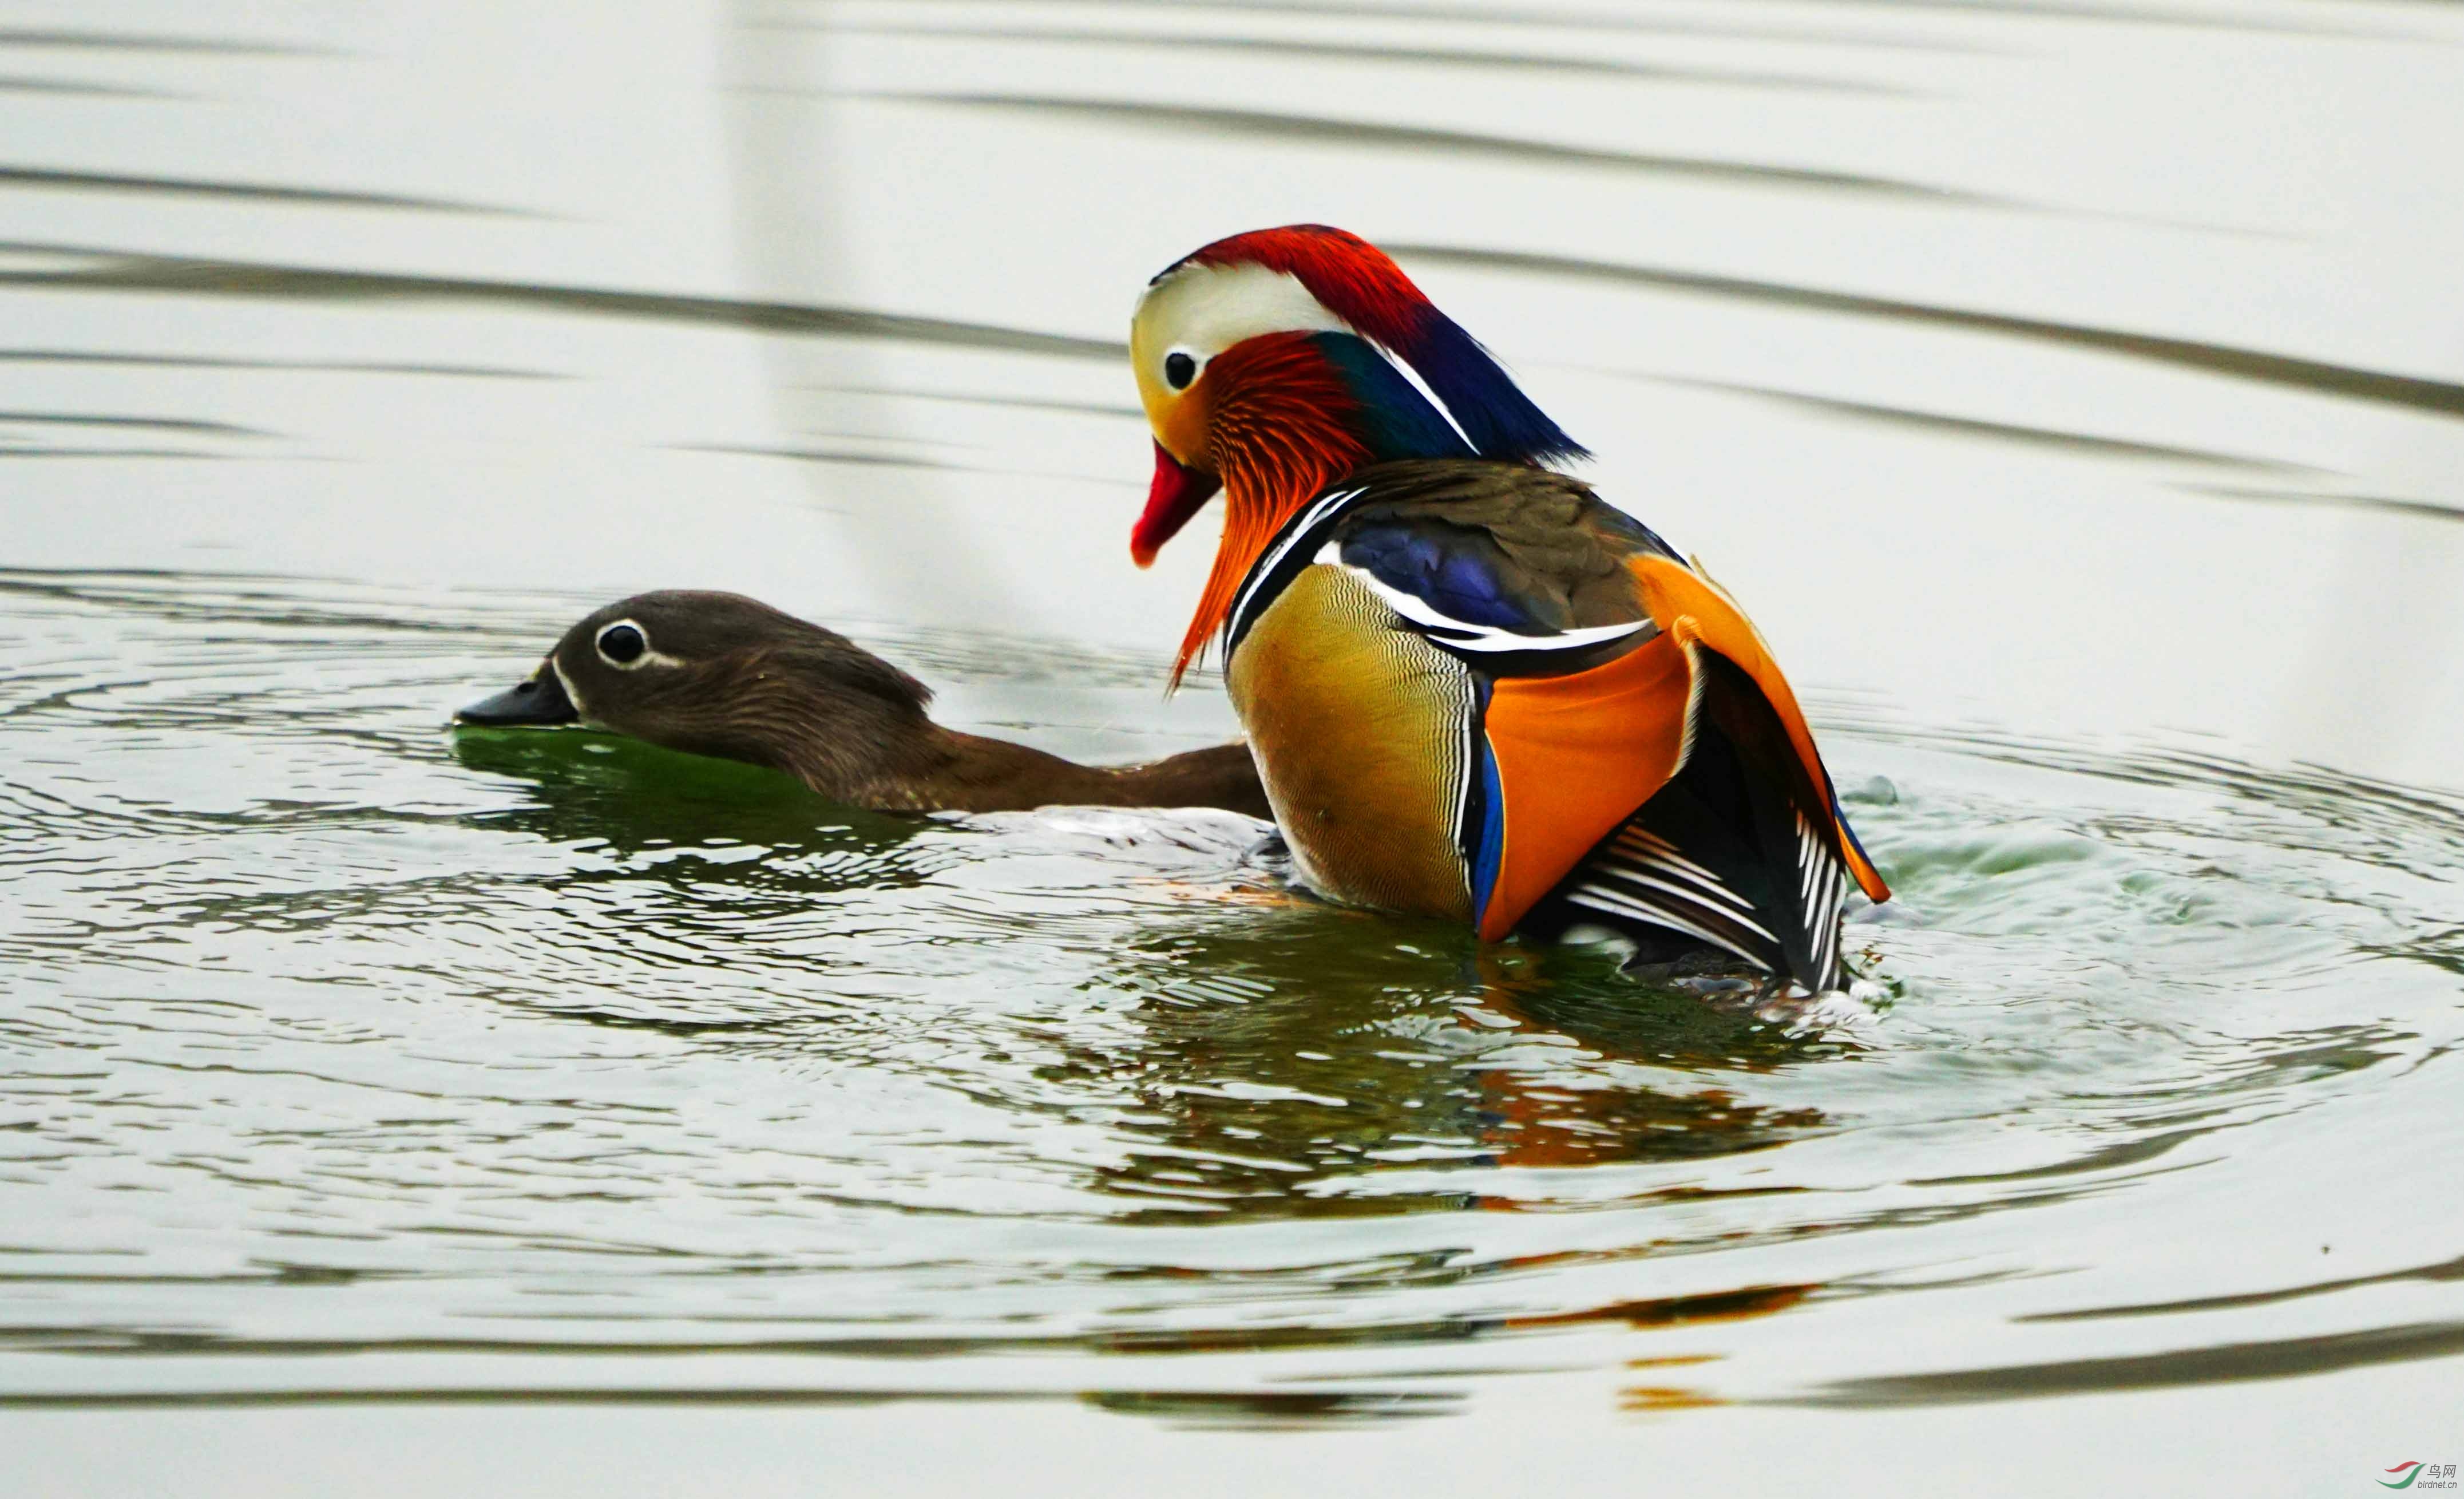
x=2075 y=391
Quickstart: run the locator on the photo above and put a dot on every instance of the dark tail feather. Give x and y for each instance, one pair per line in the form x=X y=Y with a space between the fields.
x=1726 y=854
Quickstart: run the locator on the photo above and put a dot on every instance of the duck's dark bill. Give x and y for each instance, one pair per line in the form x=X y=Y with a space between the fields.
x=540 y=700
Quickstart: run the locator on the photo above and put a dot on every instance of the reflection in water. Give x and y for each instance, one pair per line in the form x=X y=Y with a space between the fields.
x=2215 y=1365
x=2446 y=1271
x=1263 y=1053
x=1272 y=1076
x=749 y=1075
x=628 y=796
x=1273 y=1412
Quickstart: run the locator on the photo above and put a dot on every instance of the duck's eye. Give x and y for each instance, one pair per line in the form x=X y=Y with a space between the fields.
x=622 y=644
x=1180 y=369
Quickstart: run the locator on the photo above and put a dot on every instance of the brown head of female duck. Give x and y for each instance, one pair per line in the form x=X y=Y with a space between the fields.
x=721 y=675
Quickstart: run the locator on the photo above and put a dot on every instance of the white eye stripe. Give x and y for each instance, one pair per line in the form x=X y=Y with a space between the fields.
x=598 y=644
x=650 y=655
x=1427 y=392
x=1209 y=309
x=581 y=709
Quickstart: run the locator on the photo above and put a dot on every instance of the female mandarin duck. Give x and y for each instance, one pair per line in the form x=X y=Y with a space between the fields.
x=728 y=676
x=1473 y=689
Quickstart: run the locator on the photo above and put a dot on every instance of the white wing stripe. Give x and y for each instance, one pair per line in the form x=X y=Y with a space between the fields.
x=1712 y=886
x=1825 y=883
x=1647 y=882
x=1462 y=635
x=1600 y=899
x=1652 y=846
x=1447 y=630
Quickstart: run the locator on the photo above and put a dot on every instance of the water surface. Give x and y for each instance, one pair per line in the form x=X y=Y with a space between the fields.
x=2071 y=391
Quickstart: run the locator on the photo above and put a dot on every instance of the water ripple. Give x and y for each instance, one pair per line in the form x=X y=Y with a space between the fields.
x=2442 y=397
x=243 y=192
x=1374 y=135
x=111 y=271
x=1376 y=53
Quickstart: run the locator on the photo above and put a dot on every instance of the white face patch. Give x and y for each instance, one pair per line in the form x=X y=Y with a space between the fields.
x=1203 y=310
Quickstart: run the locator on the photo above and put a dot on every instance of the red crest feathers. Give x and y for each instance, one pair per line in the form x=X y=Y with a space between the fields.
x=1353 y=278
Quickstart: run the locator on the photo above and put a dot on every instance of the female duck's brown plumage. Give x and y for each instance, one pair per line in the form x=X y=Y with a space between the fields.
x=721 y=675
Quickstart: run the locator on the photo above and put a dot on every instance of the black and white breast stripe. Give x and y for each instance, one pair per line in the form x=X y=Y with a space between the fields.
x=1295 y=548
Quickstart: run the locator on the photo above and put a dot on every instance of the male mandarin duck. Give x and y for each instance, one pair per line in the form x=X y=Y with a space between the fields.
x=1474 y=690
